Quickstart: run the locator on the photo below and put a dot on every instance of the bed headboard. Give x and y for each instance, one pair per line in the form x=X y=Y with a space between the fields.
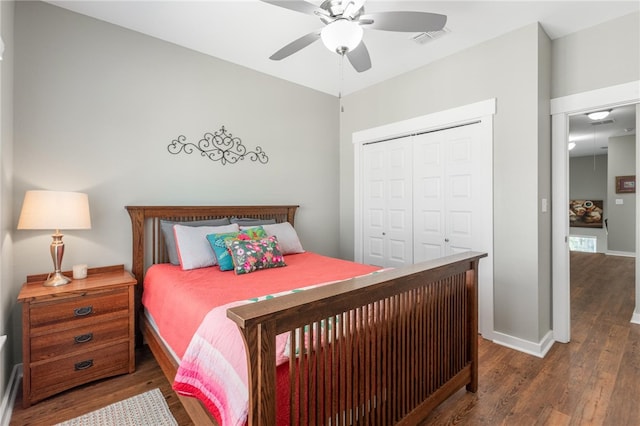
x=148 y=241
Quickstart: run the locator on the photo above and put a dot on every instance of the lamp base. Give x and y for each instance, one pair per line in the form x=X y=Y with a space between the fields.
x=56 y=279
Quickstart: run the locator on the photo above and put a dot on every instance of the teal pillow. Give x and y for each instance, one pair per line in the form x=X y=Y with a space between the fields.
x=219 y=246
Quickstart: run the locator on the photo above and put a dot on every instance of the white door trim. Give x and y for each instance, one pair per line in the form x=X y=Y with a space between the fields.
x=480 y=111
x=561 y=109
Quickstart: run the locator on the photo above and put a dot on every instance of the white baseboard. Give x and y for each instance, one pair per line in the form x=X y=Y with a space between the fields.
x=620 y=253
x=635 y=318
x=538 y=349
x=6 y=409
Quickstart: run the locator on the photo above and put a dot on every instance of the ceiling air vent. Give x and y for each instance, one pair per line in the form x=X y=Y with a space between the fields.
x=426 y=37
x=598 y=123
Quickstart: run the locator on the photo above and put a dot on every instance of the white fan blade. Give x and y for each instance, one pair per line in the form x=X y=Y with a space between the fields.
x=412 y=22
x=295 y=45
x=359 y=58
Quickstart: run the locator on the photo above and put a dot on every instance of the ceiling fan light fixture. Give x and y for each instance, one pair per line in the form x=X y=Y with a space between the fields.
x=342 y=35
x=598 y=115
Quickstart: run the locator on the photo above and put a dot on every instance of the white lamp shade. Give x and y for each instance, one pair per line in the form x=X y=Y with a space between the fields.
x=55 y=210
x=341 y=35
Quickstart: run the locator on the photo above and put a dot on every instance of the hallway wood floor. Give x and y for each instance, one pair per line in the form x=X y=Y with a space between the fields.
x=594 y=380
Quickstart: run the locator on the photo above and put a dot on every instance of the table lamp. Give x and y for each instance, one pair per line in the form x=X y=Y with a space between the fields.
x=55 y=210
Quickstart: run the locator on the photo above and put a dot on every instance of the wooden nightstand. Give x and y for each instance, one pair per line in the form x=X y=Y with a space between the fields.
x=76 y=333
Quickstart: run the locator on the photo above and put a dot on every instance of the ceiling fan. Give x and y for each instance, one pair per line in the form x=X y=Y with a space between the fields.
x=344 y=22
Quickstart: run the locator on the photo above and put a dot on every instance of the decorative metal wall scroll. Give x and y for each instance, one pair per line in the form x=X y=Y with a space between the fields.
x=219 y=146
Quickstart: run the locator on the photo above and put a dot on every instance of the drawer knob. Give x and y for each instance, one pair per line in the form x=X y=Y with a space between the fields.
x=83 y=365
x=84 y=311
x=83 y=338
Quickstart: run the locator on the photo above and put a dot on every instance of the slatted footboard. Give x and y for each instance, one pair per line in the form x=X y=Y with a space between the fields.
x=381 y=349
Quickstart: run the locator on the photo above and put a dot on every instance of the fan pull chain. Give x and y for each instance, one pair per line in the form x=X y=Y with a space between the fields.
x=594 y=148
x=341 y=81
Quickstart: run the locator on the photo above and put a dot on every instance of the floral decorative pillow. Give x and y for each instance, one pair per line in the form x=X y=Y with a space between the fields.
x=254 y=232
x=252 y=255
x=219 y=246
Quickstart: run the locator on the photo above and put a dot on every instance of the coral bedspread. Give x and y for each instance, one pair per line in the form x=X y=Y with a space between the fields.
x=180 y=300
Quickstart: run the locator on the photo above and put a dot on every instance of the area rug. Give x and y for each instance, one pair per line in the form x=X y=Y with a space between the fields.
x=146 y=409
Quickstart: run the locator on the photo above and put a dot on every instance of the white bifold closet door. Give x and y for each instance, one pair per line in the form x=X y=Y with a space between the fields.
x=426 y=196
x=450 y=202
x=388 y=206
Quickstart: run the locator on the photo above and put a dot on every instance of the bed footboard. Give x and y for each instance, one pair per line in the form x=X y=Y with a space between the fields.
x=380 y=349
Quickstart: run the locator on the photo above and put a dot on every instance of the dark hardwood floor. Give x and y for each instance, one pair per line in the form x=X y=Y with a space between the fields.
x=594 y=380
x=84 y=399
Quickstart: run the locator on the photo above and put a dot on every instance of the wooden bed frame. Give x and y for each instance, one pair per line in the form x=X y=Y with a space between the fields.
x=380 y=349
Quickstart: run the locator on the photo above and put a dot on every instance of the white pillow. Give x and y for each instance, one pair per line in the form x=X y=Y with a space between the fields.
x=287 y=237
x=194 y=250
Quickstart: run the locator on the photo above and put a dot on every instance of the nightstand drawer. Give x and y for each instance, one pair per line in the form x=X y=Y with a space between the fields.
x=76 y=310
x=48 y=378
x=78 y=339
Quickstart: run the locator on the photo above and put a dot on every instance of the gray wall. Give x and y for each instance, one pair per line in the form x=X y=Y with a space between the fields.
x=622 y=217
x=588 y=181
x=96 y=107
x=588 y=177
x=604 y=55
x=8 y=293
x=511 y=68
x=544 y=182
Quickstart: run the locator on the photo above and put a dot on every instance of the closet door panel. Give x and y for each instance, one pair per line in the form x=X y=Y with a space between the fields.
x=387 y=204
x=399 y=204
x=460 y=194
x=428 y=210
x=375 y=205
x=448 y=200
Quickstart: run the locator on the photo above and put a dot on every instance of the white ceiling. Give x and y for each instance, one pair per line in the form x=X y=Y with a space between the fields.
x=592 y=137
x=247 y=32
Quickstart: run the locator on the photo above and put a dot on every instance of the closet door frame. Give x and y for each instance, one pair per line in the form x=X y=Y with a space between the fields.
x=482 y=111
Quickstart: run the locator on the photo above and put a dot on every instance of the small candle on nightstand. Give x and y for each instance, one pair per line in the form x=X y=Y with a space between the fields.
x=79 y=272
